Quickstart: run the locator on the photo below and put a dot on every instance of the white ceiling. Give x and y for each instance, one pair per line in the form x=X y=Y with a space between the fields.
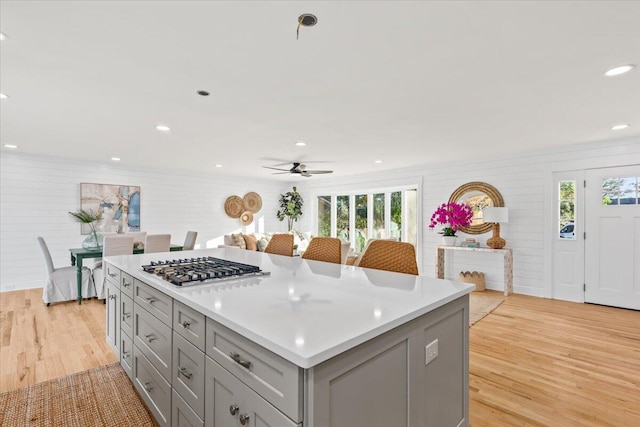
x=409 y=83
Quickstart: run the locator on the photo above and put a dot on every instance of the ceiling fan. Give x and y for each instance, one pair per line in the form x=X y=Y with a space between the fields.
x=298 y=169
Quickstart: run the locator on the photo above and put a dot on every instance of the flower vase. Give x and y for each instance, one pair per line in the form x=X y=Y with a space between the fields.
x=93 y=241
x=449 y=240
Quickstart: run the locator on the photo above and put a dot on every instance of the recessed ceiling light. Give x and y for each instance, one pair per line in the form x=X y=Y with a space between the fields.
x=218 y=166
x=619 y=127
x=301 y=144
x=163 y=128
x=10 y=146
x=203 y=93
x=115 y=159
x=619 y=70
x=378 y=161
x=3 y=96
x=3 y=37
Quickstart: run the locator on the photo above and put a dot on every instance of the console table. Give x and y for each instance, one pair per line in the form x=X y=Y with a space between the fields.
x=506 y=253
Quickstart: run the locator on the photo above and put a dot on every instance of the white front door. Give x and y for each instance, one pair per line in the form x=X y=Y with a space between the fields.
x=612 y=244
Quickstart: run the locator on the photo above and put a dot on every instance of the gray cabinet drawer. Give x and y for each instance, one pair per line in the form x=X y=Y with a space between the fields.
x=182 y=415
x=157 y=303
x=113 y=317
x=154 y=390
x=226 y=392
x=188 y=373
x=126 y=354
x=126 y=312
x=153 y=338
x=112 y=274
x=126 y=284
x=189 y=323
x=272 y=377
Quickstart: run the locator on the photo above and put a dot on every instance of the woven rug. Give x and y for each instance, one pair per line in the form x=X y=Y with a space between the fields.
x=483 y=303
x=101 y=396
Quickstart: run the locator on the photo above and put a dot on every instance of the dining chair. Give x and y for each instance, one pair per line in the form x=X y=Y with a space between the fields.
x=119 y=244
x=157 y=243
x=389 y=255
x=327 y=249
x=61 y=283
x=138 y=236
x=190 y=241
x=280 y=244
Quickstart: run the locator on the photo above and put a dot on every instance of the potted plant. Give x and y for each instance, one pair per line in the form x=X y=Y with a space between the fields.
x=452 y=216
x=290 y=207
x=89 y=217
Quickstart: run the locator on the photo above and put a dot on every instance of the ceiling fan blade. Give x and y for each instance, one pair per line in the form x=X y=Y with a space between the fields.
x=276 y=169
x=280 y=173
x=318 y=172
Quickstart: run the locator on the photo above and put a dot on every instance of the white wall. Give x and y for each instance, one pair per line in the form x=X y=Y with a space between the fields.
x=522 y=180
x=36 y=194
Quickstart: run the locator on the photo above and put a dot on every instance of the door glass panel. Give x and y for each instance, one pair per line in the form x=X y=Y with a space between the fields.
x=611 y=191
x=567 y=207
x=342 y=205
x=396 y=215
x=324 y=216
x=628 y=194
x=378 y=216
x=361 y=222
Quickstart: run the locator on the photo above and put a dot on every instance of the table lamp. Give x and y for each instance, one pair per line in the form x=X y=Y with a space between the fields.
x=496 y=216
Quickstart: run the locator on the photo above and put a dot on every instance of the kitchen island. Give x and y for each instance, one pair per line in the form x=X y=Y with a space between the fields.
x=309 y=344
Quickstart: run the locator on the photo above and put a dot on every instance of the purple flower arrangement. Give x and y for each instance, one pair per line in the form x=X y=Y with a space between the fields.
x=453 y=216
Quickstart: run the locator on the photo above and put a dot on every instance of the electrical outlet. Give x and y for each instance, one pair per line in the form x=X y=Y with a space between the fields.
x=431 y=351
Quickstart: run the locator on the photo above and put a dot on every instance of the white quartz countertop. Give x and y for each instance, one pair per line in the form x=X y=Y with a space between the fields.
x=304 y=311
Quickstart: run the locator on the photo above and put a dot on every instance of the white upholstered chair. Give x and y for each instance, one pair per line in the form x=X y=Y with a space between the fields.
x=190 y=241
x=119 y=244
x=61 y=283
x=157 y=243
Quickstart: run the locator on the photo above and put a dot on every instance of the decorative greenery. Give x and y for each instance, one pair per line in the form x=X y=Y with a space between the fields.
x=290 y=207
x=88 y=217
x=453 y=216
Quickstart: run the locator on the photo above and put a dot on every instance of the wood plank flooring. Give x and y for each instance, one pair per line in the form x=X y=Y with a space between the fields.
x=533 y=361
x=39 y=343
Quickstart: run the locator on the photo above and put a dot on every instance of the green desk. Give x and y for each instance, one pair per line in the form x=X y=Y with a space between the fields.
x=78 y=254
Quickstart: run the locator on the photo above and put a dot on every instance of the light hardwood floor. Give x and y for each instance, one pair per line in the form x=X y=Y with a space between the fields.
x=533 y=361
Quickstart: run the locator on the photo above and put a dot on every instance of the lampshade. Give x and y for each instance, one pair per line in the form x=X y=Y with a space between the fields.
x=495 y=214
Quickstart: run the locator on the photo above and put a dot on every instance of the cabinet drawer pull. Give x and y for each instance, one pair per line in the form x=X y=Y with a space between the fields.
x=112 y=274
x=150 y=300
x=186 y=324
x=244 y=419
x=147 y=387
x=125 y=284
x=125 y=316
x=112 y=296
x=233 y=409
x=236 y=358
x=184 y=372
x=150 y=337
x=125 y=354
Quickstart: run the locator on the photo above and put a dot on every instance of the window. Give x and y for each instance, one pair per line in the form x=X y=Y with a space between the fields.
x=566 y=206
x=371 y=215
x=621 y=191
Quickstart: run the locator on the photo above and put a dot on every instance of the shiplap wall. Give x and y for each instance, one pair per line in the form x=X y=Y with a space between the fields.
x=36 y=194
x=522 y=180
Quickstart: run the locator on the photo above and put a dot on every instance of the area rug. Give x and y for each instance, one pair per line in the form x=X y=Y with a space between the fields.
x=483 y=303
x=101 y=396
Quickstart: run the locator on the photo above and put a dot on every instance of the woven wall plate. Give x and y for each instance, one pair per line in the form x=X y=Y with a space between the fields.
x=233 y=206
x=246 y=218
x=252 y=202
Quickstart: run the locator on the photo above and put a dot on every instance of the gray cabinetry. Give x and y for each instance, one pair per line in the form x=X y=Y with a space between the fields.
x=188 y=373
x=152 y=387
x=113 y=316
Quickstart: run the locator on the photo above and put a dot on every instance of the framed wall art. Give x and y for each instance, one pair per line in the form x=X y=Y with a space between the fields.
x=119 y=205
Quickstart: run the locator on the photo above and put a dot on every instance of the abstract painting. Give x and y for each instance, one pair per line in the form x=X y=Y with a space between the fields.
x=119 y=204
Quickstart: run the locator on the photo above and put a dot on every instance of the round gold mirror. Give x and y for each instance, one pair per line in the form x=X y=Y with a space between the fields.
x=478 y=195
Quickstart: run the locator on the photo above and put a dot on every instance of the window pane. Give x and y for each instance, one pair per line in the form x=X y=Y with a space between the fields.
x=343 y=217
x=411 y=204
x=324 y=216
x=396 y=215
x=378 y=216
x=628 y=191
x=611 y=191
x=361 y=222
x=567 y=209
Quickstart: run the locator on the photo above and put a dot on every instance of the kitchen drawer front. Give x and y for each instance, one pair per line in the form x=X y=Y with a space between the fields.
x=182 y=414
x=126 y=354
x=275 y=379
x=157 y=303
x=226 y=393
x=112 y=274
x=188 y=373
x=189 y=323
x=126 y=284
x=154 y=339
x=153 y=389
x=126 y=313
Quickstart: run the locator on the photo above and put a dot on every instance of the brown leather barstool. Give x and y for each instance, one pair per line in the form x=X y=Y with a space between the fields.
x=389 y=255
x=327 y=249
x=280 y=244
